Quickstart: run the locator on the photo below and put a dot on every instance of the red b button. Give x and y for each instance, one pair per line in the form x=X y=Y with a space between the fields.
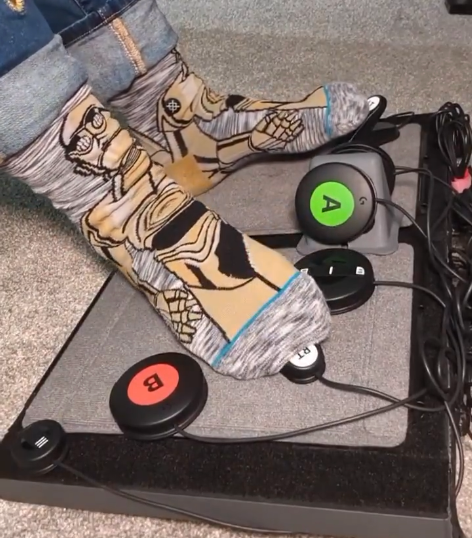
x=153 y=384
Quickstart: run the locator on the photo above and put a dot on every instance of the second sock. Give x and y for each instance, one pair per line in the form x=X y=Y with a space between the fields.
x=200 y=136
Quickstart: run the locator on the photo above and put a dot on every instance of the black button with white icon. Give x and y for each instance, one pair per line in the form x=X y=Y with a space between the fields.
x=306 y=366
x=345 y=277
x=40 y=447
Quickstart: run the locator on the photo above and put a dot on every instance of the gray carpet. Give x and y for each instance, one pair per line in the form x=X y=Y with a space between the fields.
x=413 y=52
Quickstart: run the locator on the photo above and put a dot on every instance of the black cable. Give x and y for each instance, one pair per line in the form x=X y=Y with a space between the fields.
x=214 y=440
x=453 y=134
x=399 y=208
x=459 y=480
x=449 y=349
x=303 y=431
x=354 y=147
x=366 y=391
x=412 y=286
x=400 y=170
x=405 y=118
x=450 y=335
x=454 y=137
x=445 y=406
x=435 y=257
x=161 y=506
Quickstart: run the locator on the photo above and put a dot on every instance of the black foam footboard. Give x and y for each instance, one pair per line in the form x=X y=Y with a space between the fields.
x=403 y=491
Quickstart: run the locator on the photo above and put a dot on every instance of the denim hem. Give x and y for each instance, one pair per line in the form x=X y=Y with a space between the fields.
x=94 y=20
x=124 y=46
x=34 y=93
x=23 y=31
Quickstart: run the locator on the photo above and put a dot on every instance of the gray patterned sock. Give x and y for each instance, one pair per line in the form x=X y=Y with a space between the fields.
x=239 y=306
x=202 y=136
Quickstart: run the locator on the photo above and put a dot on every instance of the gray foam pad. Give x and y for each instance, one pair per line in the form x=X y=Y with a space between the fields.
x=369 y=346
x=260 y=199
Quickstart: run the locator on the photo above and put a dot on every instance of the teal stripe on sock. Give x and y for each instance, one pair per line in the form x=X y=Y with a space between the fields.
x=225 y=349
x=328 y=127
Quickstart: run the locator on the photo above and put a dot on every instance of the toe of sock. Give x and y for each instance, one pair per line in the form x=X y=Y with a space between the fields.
x=347 y=108
x=299 y=317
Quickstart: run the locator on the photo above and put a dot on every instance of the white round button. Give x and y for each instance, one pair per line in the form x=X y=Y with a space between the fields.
x=374 y=102
x=306 y=357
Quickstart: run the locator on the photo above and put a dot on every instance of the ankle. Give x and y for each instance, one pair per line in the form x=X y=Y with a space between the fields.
x=138 y=102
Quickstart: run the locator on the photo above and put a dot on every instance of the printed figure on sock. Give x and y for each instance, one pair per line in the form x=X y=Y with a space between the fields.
x=200 y=136
x=146 y=221
x=234 y=303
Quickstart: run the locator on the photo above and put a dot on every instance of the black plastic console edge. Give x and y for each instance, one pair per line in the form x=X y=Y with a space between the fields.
x=258 y=515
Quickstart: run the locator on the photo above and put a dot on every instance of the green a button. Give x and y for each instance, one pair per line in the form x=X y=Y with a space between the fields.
x=332 y=204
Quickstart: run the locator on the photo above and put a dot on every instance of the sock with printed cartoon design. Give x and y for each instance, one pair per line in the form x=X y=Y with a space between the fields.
x=200 y=136
x=217 y=289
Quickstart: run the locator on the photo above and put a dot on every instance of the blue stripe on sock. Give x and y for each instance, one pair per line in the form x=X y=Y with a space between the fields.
x=229 y=345
x=328 y=127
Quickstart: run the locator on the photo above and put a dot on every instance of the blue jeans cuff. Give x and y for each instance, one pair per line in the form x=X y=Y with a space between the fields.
x=119 y=42
x=94 y=20
x=34 y=94
x=23 y=32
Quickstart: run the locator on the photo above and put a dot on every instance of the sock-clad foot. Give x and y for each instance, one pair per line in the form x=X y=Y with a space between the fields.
x=200 y=136
x=230 y=301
